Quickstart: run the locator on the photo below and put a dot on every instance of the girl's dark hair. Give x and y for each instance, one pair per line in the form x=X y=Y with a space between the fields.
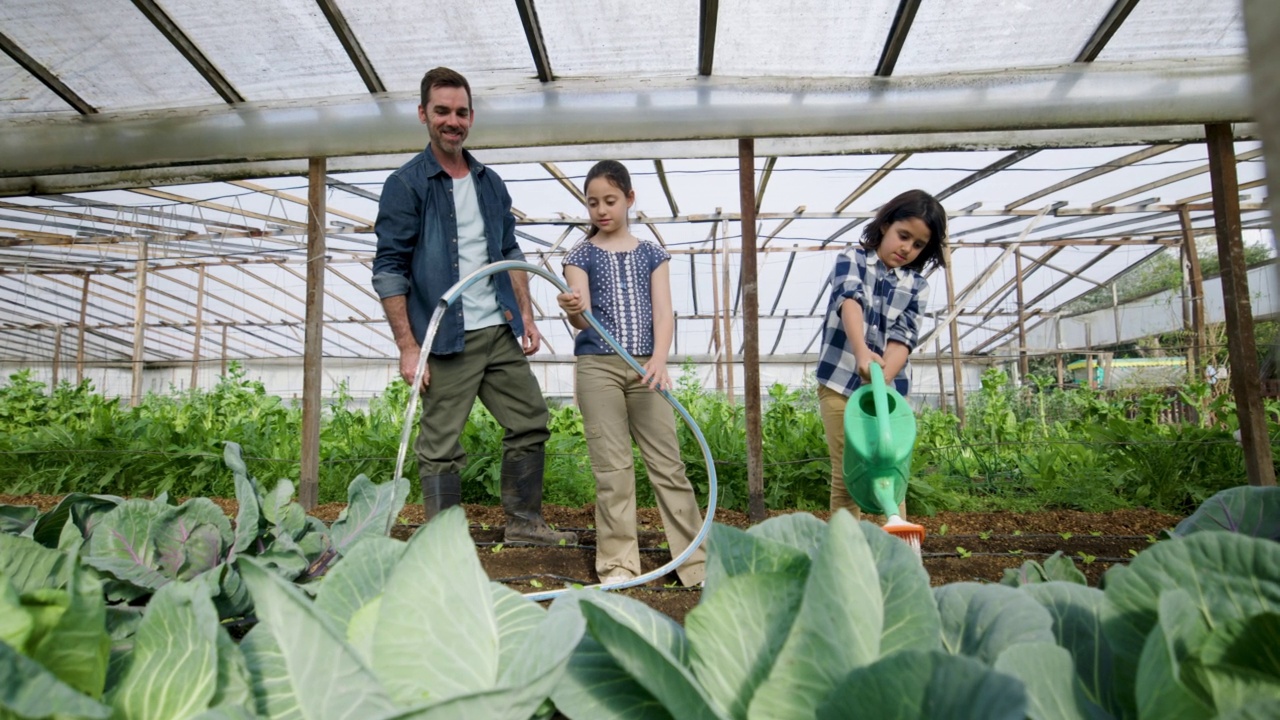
x=613 y=171
x=911 y=204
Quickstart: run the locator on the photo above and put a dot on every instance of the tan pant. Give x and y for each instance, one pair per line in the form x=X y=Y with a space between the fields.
x=616 y=408
x=832 y=405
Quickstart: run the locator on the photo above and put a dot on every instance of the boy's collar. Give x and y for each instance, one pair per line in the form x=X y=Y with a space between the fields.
x=873 y=258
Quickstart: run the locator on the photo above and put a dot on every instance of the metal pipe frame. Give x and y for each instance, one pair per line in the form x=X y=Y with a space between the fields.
x=589 y=111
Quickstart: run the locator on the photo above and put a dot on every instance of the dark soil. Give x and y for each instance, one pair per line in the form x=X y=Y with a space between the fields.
x=958 y=547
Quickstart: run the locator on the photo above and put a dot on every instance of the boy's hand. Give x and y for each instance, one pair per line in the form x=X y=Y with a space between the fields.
x=571 y=302
x=864 y=364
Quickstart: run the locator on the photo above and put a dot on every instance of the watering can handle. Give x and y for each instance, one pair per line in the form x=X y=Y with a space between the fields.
x=880 y=395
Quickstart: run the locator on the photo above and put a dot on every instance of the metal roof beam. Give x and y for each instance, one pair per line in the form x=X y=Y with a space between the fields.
x=590 y=111
x=1110 y=23
x=201 y=64
x=708 y=18
x=537 y=44
x=902 y=20
x=809 y=146
x=1242 y=157
x=1112 y=166
x=986 y=172
x=351 y=44
x=45 y=76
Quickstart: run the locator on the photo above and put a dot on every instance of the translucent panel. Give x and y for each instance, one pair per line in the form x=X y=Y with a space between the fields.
x=22 y=94
x=482 y=39
x=801 y=37
x=962 y=35
x=1178 y=29
x=610 y=38
x=107 y=52
x=296 y=52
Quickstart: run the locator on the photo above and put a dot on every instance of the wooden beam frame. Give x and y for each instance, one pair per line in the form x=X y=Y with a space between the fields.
x=1121 y=162
x=189 y=51
x=708 y=18
x=1111 y=22
x=751 y=333
x=46 y=76
x=313 y=346
x=898 y=31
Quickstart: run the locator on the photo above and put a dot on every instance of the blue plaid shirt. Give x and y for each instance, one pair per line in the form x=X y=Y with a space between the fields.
x=891 y=300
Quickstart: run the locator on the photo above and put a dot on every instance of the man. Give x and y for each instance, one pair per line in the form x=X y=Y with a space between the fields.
x=442 y=216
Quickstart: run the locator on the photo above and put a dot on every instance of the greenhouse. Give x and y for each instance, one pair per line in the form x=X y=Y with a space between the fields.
x=192 y=337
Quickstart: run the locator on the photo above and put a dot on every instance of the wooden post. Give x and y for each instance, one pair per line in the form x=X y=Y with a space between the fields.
x=84 y=315
x=751 y=333
x=57 y=352
x=1115 y=310
x=957 y=375
x=1185 y=272
x=1241 y=345
x=1192 y=257
x=223 y=365
x=727 y=344
x=199 y=330
x=139 y=321
x=1088 y=355
x=313 y=343
x=942 y=383
x=1023 y=365
x=1107 y=381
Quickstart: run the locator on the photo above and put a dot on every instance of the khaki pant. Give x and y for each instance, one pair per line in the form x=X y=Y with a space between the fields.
x=616 y=408
x=832 y=405
x=492 y=367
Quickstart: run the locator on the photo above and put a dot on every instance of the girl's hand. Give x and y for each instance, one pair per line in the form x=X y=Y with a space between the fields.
x=864 y=364
x=655 y=375
x=571 y=302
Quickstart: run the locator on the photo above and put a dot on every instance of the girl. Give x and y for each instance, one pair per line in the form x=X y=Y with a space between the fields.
x=877 y=294
x=626 y=284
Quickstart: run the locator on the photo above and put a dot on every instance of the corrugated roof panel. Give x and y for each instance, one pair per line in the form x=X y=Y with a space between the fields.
x=614 y=38
x=106 y=52
x=964 y=35
x=283 y=49
x=22 y=94
x=801 y=37
x=482 y=39
x=1158 y=29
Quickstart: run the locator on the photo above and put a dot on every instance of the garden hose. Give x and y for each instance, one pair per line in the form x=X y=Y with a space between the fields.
x=453 y=294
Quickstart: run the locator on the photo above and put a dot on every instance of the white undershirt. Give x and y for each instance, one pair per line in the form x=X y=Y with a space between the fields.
x=480 y=307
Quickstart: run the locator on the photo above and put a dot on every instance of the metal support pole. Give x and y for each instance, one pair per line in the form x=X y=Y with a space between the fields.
x=199 y=330
x=957 y=375
x=726 y=345
x=57 y=353
x=715 y=313
x=1022 y=316
x=139 y=321
x=942 y=383
x=222 y=367
x=751 y=333
x=1245 y=383
x=1115 y=310
x=313 y=344
x=84 y=316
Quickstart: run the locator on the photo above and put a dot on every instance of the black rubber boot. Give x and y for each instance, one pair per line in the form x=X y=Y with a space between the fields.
x=440 y=492
x=522 y=501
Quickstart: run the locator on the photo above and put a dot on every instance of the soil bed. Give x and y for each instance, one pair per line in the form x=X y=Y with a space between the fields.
x=959 y=546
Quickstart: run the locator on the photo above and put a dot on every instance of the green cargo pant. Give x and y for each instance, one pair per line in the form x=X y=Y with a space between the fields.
x=492 y=367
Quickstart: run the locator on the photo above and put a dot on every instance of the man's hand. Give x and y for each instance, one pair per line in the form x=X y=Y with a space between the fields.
x=864 y=364
x=571 y=302
x=409 y=367
x=532 y=340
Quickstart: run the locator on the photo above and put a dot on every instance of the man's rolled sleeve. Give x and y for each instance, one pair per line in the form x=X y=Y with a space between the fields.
x=398 y=229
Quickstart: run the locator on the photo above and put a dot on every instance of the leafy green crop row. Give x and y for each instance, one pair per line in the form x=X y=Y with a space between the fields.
x=798 y=620
x=1022 y=448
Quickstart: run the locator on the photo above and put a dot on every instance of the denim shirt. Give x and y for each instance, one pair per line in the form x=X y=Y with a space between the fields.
x=417 y=254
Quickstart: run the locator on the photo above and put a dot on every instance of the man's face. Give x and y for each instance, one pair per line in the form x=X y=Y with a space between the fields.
x=447 y=117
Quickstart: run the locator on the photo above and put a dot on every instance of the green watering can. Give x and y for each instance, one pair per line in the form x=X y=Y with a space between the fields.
x=879 y=435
